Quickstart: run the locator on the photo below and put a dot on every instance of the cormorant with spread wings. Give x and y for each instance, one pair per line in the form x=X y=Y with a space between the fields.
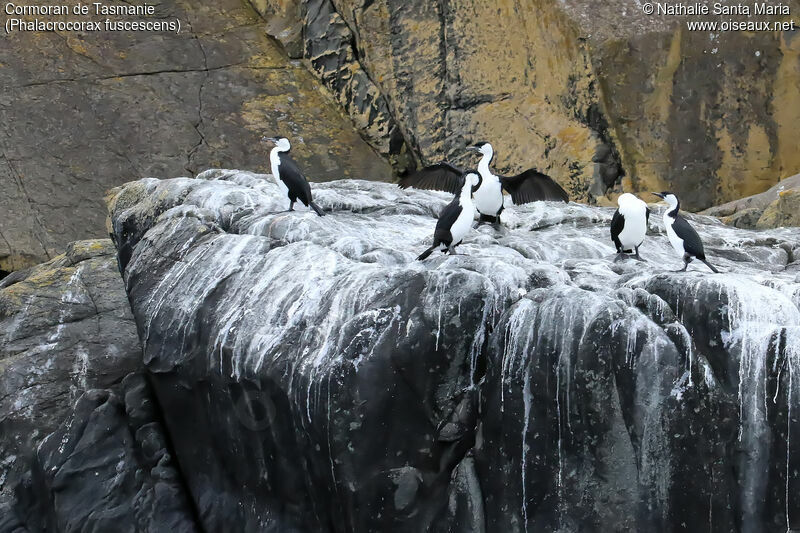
x=529 y=186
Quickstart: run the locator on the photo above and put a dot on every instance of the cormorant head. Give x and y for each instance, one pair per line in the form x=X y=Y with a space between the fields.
x=473 y=179
x=628 y=199
x=668 y=197
x=482 y=147
x=281 y=143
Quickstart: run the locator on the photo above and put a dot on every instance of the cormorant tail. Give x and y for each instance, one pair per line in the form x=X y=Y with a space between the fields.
x=316 y=208
x=424 y=255
x=709 y=265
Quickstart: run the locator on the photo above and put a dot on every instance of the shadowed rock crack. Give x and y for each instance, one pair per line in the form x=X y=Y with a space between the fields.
x=135 y=74
x=198 y=125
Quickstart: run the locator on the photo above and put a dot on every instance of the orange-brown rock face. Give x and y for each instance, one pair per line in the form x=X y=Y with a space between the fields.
x=599 y=95
x=85 y=112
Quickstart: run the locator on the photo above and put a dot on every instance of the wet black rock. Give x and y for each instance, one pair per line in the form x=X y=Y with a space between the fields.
x=312 y=376
x=65 y=327
x=106 y=468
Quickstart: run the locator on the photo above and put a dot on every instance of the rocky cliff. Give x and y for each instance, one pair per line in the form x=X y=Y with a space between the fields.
x=85 y=112
x=65 y=328
x=599 y=95
x=308 y=375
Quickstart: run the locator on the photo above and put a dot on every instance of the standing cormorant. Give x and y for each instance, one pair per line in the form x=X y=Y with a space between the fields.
x=629 y=224
x=456 y=218
x=529 y=186
x=288 y=176
x=683 y=237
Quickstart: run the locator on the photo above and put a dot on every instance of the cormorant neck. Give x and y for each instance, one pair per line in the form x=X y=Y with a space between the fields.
x=466 y=193
x=673 y=212
x=483 y=166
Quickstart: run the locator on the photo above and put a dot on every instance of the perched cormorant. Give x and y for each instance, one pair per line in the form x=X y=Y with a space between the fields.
x=529 y=186
x=629 y=224
x=681 y=235
x=456 y=218
x=288 y=176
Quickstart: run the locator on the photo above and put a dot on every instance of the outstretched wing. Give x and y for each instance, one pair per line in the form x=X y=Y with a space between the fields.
x=617 y=225
x=533 y=186
x=438 y=177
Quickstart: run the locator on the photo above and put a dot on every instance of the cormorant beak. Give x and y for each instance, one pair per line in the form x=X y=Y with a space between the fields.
x=269 y=139
x=658 y=194
x=473 y=149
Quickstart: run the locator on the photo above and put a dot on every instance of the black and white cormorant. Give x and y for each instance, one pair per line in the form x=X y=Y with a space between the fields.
x=288 y=176
x=682 y=236
x=456 y=218
x=529 y=186
x=629 y=224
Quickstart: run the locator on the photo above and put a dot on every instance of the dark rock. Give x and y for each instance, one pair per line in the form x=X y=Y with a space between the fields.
x=746 y=218
x=65 y=327
x=524 y=386
x=107 y=468
x=314 y=30
x=607 y=170
x=312 y=376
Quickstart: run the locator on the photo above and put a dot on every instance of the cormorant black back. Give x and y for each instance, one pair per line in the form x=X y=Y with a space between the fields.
x=682 y=235
x=456 y=218
x=290 y=179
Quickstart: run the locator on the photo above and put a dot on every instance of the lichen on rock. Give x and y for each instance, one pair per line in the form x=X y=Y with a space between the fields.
x=598 y=95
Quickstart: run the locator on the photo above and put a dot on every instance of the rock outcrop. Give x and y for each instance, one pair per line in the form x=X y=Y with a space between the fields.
x=317 y=32
x=599 y=95
x=312 y=376
x=336 y=384
x=85 y=112
x=785 y=211
x=65 y=328
x=770 y=209
x=106 y=468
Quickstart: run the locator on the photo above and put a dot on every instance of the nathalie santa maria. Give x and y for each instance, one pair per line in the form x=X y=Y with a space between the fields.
x=759 y=8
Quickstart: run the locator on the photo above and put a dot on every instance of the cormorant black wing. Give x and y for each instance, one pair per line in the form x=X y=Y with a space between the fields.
x=691 y=240
x=533 y=186
x=447 y=218
x=617 y=225
x=438 y=177
x=293 y=177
